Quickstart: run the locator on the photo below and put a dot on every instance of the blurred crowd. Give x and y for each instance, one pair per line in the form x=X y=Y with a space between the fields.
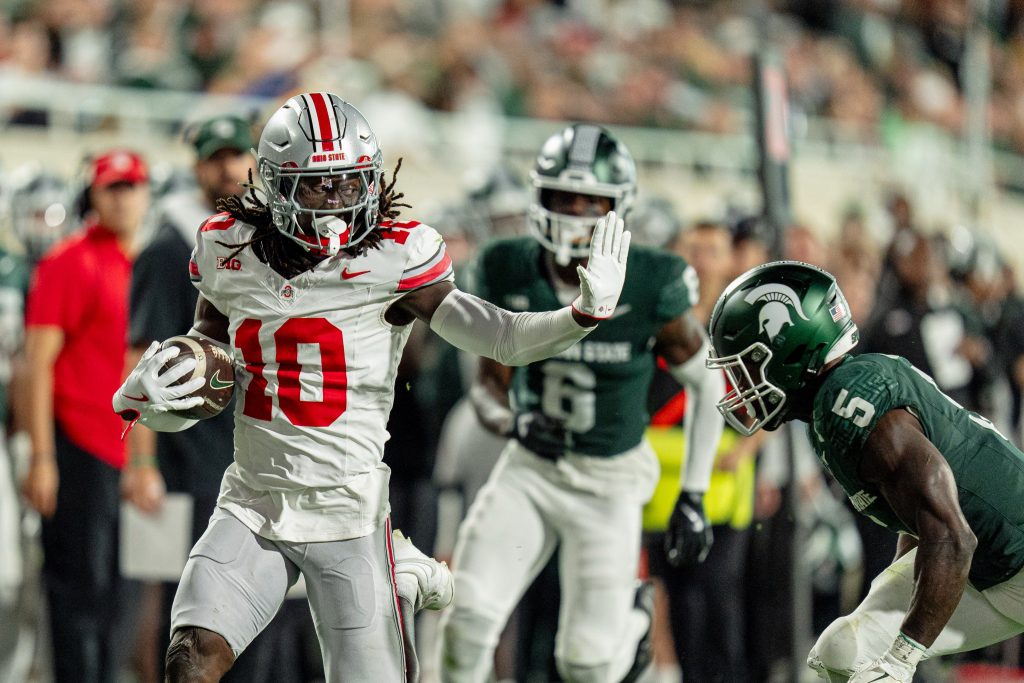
x=947 y=302
x=872 y=66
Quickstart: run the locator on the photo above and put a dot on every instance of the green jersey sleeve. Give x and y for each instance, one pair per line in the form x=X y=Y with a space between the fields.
x=680 y=290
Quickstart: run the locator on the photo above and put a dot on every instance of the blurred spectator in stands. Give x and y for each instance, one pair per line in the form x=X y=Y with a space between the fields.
x=919 y=321
x=268 y=59
x=77 y=330
x=988 y=301
x=752 y=243
x=707 y=246
x=803 y=244
x=40 y=208
x=33 y=53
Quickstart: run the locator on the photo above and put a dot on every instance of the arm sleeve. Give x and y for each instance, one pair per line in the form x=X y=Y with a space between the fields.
x=472 y=324
x=703 y=423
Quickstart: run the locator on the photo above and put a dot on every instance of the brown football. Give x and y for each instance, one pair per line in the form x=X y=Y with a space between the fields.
x=214 y=364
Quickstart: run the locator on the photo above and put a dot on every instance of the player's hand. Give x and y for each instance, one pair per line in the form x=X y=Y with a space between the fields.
x=540 y=434
x=40 y=485
x=147 y=391
x=895 y=666
x=688 y=539
x=601 y=281
x=143 y=486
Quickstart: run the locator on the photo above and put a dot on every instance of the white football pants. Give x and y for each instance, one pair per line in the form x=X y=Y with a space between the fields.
x=851 y=642
x=590 y=507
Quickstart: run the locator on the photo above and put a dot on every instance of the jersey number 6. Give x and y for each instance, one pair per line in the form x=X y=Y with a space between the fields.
x=293 y=334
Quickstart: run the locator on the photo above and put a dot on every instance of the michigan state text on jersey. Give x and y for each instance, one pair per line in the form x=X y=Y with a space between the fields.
x=906 y=455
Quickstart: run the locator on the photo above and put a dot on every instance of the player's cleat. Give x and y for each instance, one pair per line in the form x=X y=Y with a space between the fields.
x=422 y=580
x=644 y=602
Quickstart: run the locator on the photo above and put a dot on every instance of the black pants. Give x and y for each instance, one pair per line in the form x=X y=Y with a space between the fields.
x=707 y=610
x=80 y=565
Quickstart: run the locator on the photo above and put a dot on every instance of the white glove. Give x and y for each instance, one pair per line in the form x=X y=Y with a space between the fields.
x=601 y=281
x=895 y=666
x=147 y=393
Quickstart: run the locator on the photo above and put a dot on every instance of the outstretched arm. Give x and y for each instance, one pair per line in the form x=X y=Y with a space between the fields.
x=480 y=327
x=917 y=483
x=683 y=343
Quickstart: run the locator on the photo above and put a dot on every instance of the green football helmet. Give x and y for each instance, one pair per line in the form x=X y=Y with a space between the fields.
x=773 y=329
x=583 y=159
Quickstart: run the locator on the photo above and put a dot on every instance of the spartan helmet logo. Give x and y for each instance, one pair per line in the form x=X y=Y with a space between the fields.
x=775 y=313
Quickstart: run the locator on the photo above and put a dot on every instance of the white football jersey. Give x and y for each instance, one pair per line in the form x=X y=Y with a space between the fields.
x=315 y=366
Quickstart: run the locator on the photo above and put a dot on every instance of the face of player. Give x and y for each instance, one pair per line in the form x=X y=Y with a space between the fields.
x=221 y=174
x=120 y=207
x=327 y=193
x=576 y=204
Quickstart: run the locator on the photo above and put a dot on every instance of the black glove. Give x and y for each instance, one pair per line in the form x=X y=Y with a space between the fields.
x=539 y=433
x=688 y=539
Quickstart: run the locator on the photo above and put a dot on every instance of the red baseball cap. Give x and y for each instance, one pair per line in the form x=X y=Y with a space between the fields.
x=118 y=166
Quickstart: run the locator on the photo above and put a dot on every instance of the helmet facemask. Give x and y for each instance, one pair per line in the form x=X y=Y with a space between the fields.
x=752 y=401
x=330 y=229
x=583 y=160
x=318 y=136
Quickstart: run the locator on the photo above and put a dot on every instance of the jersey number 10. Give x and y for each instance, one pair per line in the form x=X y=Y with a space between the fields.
x=295 y=331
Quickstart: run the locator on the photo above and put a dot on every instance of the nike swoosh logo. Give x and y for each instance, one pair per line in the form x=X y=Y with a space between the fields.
x=140 y=399
x=879 y=678
x=345 y=275
x=217 y=383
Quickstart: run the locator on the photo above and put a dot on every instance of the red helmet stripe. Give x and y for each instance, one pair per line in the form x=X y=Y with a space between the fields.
x=323 y=121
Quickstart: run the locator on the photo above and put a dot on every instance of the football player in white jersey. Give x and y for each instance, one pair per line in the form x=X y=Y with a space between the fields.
x=312 y=290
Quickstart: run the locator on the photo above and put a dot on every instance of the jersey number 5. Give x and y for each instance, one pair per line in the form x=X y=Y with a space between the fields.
x=307 y=336
x=857 y=410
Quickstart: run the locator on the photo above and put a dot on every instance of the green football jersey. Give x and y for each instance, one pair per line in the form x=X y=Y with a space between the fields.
x=988 y=469
x=13 y=286
x=598 y=387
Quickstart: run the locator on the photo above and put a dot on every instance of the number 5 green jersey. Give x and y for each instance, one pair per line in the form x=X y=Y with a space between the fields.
x=598 y=387
x=989 y=470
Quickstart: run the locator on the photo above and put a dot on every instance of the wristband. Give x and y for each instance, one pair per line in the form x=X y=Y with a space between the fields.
x=907 y=650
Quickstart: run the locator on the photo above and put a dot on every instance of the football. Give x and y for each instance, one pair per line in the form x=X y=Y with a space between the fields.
x=214 y=364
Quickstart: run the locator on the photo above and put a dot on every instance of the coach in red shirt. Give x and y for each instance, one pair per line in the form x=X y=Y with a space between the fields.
x=75 y=342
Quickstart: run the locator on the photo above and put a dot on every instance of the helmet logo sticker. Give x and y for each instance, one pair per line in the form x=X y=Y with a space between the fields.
x=775 y=314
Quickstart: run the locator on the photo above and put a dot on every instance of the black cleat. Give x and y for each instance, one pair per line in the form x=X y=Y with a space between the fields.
x=644 y=602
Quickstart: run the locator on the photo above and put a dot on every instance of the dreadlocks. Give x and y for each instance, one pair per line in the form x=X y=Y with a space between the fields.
x=284 y=255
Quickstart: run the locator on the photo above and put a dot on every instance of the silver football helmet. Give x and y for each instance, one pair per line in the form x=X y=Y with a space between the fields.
x=320 y=135
x=582 y=159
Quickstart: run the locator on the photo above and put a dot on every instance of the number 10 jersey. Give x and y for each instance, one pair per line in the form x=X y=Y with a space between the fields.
x=315 y=365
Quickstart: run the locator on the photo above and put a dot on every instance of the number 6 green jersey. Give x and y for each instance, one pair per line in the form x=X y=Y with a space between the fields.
x=988 y=469
x=598 y=387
